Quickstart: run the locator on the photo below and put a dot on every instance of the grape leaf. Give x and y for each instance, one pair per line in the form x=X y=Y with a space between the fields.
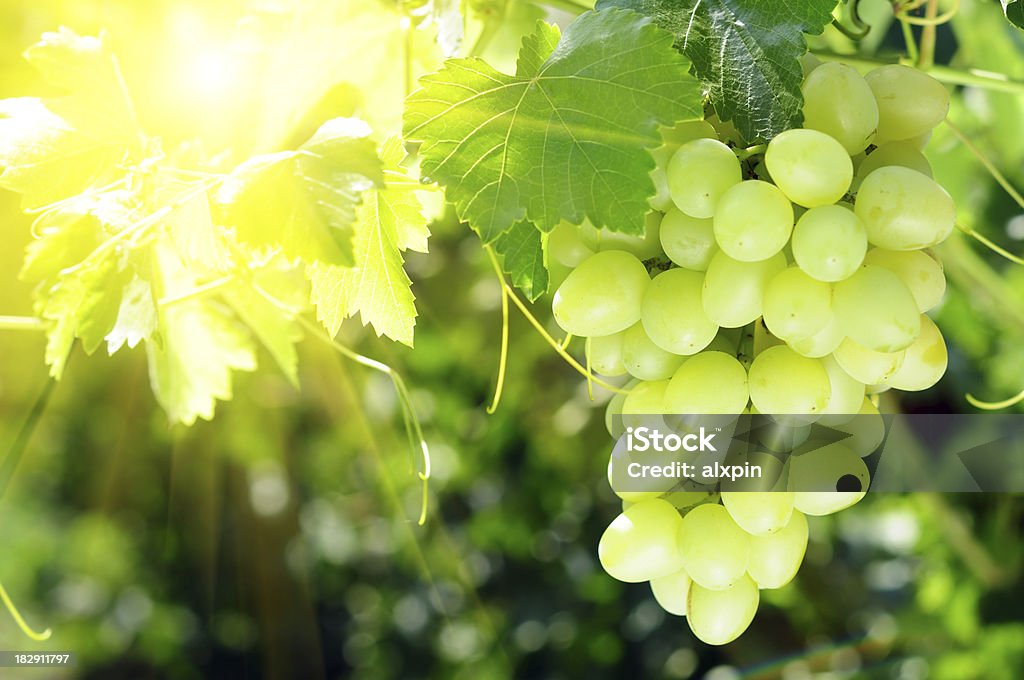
x=747 y=51
x=305 y=201
x=522 y=254
x=1014 y=11
x=54 y=148
x=566 y=136
x=390 y=221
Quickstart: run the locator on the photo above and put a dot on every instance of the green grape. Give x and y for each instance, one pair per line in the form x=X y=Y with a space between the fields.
x=847 y=393
x=904 y=210
x=783 y=382
x=919 y=271
x=759 y=512
x=602 y=296
x=920 y=141
x=642 y=543
x=681 y=133
x=831 y=466
x=645 y=489
x=822 y=343
x=838 y=102
x=645 y=360
x=795 y=305
x=688 y=241
x=672 y=138
x=924 y=363
x=566 y=245
x=876 y=310
x=734 y=291
x=672 y=314
x=643 y=247
x=672 y=592
x=662 y=198
x=606 y=354
x=753 y=221
x=613 y=413
x=903 y=154
x=699 y=173
x=829 y=242
x=809 y=62
x=713 y=547
x=775 y=558
x=646 y=397
x=717 y=617
x=811 y=168
x=865 y=365
x=910 y=103
x=866 y=429
x=709 y=382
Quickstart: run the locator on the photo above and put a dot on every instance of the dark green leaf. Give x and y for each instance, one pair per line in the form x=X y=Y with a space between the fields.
x=522 y=254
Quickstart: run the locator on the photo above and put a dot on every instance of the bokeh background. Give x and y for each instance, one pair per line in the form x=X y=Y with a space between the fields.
x=280 y=541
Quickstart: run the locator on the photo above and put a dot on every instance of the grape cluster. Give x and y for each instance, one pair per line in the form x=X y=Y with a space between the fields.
x=789 y=279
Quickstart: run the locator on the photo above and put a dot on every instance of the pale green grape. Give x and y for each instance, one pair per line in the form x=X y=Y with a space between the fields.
x=709 y=382
x=643 y=247
x=876 y=310
x=644 y=489
x=699 y=173
x=681 y=133
x=662 y=198
x=847 y=392
x=838 y=102
x=866 y=429
x=566 y=245
x=783 y=382
x=613 y=414
x=809 y=62
x=713 y=547
x=795 y=305
x=672 y=314
x=904 y=210
x=811 y=168
x=759 y=512
x=827 y=467
x=775 y=558
x=865 y=365
x=919 y=271
x=910 y=103
x=645 y=360
x=646 y=397
x=829 y=242
x=753 y=221
x=903 y=154
x=672 y=592
x=924 y=363
x=606 y=354
x=822 y=343
x=602 y=296
x=642 y=543
x=734 y=291
x=672 y=139
x=717 y=617
x=688 y=241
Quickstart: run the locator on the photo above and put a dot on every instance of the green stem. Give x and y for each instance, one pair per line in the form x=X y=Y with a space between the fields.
x=926 y=58
x=16 y=615
x=986 y=80
x=21 y=323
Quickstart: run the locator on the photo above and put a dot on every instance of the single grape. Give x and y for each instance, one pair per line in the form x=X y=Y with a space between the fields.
x=866 y=429
x=904 y=210
x=642 y=543
x=672 y=138
x=775 y=558
x=613 y=415
x=822 y=343
x=783 y=382
x=838 y=102
x=827 y=479
x=646 y=397
x=795 y=305
x=876 y=310
x=865 y=365
x=811 y=168
x=699 y=173
x=759 y=513
x=709 y=382
x=713 y=547
x=753 y=221
x=672 y=314
x=903 y=154
x=643 y=247
x=602 y=296
x=688 y=241
x=672 y=592
x=566 y=245
x=919 y=271
x=910 y=103
x=829 y=242
x=717 y=617
x=847 y=393
x=923 y=364
x=733 y=292
x=644 y=359
x=606 y=354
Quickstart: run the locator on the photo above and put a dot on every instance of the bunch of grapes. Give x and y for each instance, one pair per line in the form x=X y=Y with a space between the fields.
x=786 y=280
